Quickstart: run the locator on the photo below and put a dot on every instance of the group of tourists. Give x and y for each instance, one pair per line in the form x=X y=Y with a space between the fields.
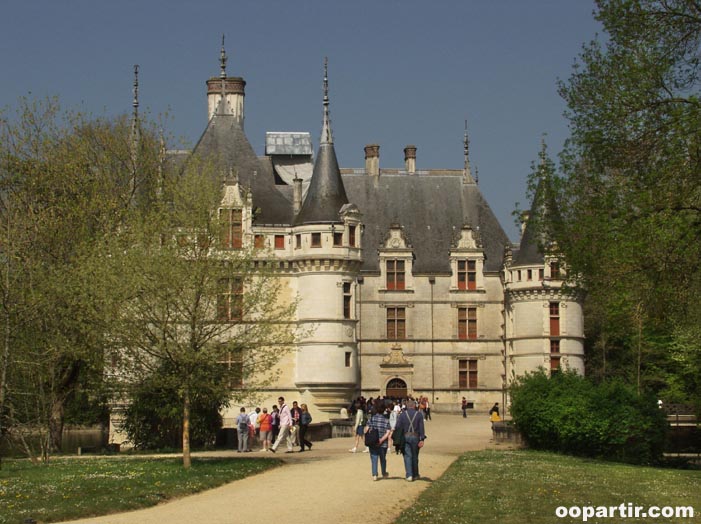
x=269 y=429
x=378 y=422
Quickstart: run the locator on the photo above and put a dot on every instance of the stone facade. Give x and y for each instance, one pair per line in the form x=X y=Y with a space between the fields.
x=405 y=281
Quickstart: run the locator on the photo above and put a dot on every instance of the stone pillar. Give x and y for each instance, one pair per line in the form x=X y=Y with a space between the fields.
x=372 y=159
x=410 y=159
x=297 y=195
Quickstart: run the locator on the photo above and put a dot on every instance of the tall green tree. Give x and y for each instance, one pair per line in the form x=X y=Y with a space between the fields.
x=631 y=191
x=67 y=181
x=207 y=322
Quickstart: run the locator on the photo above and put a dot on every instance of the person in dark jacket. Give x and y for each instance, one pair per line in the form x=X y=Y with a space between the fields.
x=411 y=422
x=304 y=420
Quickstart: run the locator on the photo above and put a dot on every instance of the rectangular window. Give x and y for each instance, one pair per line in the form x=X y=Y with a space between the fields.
x=351 y=236
x=555 y=346
x=233 y=364
x=519 y=275
x=554 y=364
x=316 y=239
x=348 y=359
x=467 y=274
x=541 y=274
x=337 y=239
x=467 y=323
x=231 y=228
x=467 y=373
x=298 y=241
x=530 y=274
x=554 y=319
x=347 y=300
x=555 y=270
x=229 y=299
x=396 y=323
x=395 y=274
x=259 y=241
x=279 y=241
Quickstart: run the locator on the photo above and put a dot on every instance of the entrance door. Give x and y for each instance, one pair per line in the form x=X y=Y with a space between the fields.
x=396 y=388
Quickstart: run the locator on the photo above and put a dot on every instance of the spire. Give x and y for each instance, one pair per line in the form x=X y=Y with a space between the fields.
x=135 y=131
x=135 y=103
x=326 y=194
x=467 y=172
x=222 y=60
x=326 y=135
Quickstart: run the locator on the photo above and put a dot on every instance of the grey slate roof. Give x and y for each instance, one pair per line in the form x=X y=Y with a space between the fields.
x=326 y=194
x=225 y=145
x=530 y=252
x=279 y=143
x=432 y=209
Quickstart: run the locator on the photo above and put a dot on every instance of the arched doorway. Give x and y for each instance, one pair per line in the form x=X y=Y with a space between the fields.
x=396 y=388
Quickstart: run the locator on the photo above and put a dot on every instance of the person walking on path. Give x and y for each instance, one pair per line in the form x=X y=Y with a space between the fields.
x=296 y=412
x=285 y=425
x=411 y=422
x=463 y=406
x=359 y=426
x=275 y=423
x=379 y=422
x=304 y=420
x=242 y=430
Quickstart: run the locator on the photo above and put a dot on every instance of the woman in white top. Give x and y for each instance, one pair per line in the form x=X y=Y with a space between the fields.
x=359 y=427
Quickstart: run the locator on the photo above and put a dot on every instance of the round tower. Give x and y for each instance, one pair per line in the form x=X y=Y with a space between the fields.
x=231 y=88
x=327 y=261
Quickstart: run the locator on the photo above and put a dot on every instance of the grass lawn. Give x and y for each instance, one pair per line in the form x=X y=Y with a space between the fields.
x=73 y=488
x=525 y=487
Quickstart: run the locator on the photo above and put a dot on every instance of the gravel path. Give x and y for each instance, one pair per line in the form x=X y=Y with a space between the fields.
x=328 y=484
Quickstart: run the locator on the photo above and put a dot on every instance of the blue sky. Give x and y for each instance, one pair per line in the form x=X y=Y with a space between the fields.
x=400 y=72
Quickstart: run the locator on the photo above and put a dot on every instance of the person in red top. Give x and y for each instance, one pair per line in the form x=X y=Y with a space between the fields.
x=266 y=428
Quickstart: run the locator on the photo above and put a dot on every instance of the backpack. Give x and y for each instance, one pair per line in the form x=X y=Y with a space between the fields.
x=372 y=438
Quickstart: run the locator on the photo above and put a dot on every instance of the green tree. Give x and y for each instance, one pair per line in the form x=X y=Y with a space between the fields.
x=67 y=181
x=630 y=194
x=203 y=321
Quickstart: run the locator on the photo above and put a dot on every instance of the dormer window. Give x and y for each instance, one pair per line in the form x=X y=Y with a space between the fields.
x=231 y=228
x=467 y=274
x=555 y=270
x=351 y=236
x=395 y=275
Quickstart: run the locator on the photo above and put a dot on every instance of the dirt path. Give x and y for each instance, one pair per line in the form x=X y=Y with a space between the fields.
x=328 y=484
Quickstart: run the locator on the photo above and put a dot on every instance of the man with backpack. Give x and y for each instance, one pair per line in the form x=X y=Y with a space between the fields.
x=411 y=422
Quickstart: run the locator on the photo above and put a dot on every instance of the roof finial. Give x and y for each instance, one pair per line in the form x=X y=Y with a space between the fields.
x=135 y=132
x=467 y=173
x=326 y=136
x=222 y=60
x=135 y=103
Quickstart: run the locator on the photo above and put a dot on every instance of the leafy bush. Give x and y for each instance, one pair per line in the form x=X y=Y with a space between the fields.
x=570 y=414
x=154 y=418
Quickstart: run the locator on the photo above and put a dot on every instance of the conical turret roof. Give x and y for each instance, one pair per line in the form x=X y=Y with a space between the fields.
x=326 y=194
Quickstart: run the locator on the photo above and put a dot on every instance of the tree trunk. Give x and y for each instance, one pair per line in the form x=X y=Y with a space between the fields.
x=56 y=425
x=187 y=461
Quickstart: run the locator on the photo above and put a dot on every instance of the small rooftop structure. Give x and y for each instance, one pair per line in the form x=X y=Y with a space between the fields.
x=288 y=143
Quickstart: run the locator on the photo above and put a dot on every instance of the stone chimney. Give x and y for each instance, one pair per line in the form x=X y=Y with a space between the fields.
x=296 y=195
x=372 y=159
x=410 y=159
x=234 y=89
